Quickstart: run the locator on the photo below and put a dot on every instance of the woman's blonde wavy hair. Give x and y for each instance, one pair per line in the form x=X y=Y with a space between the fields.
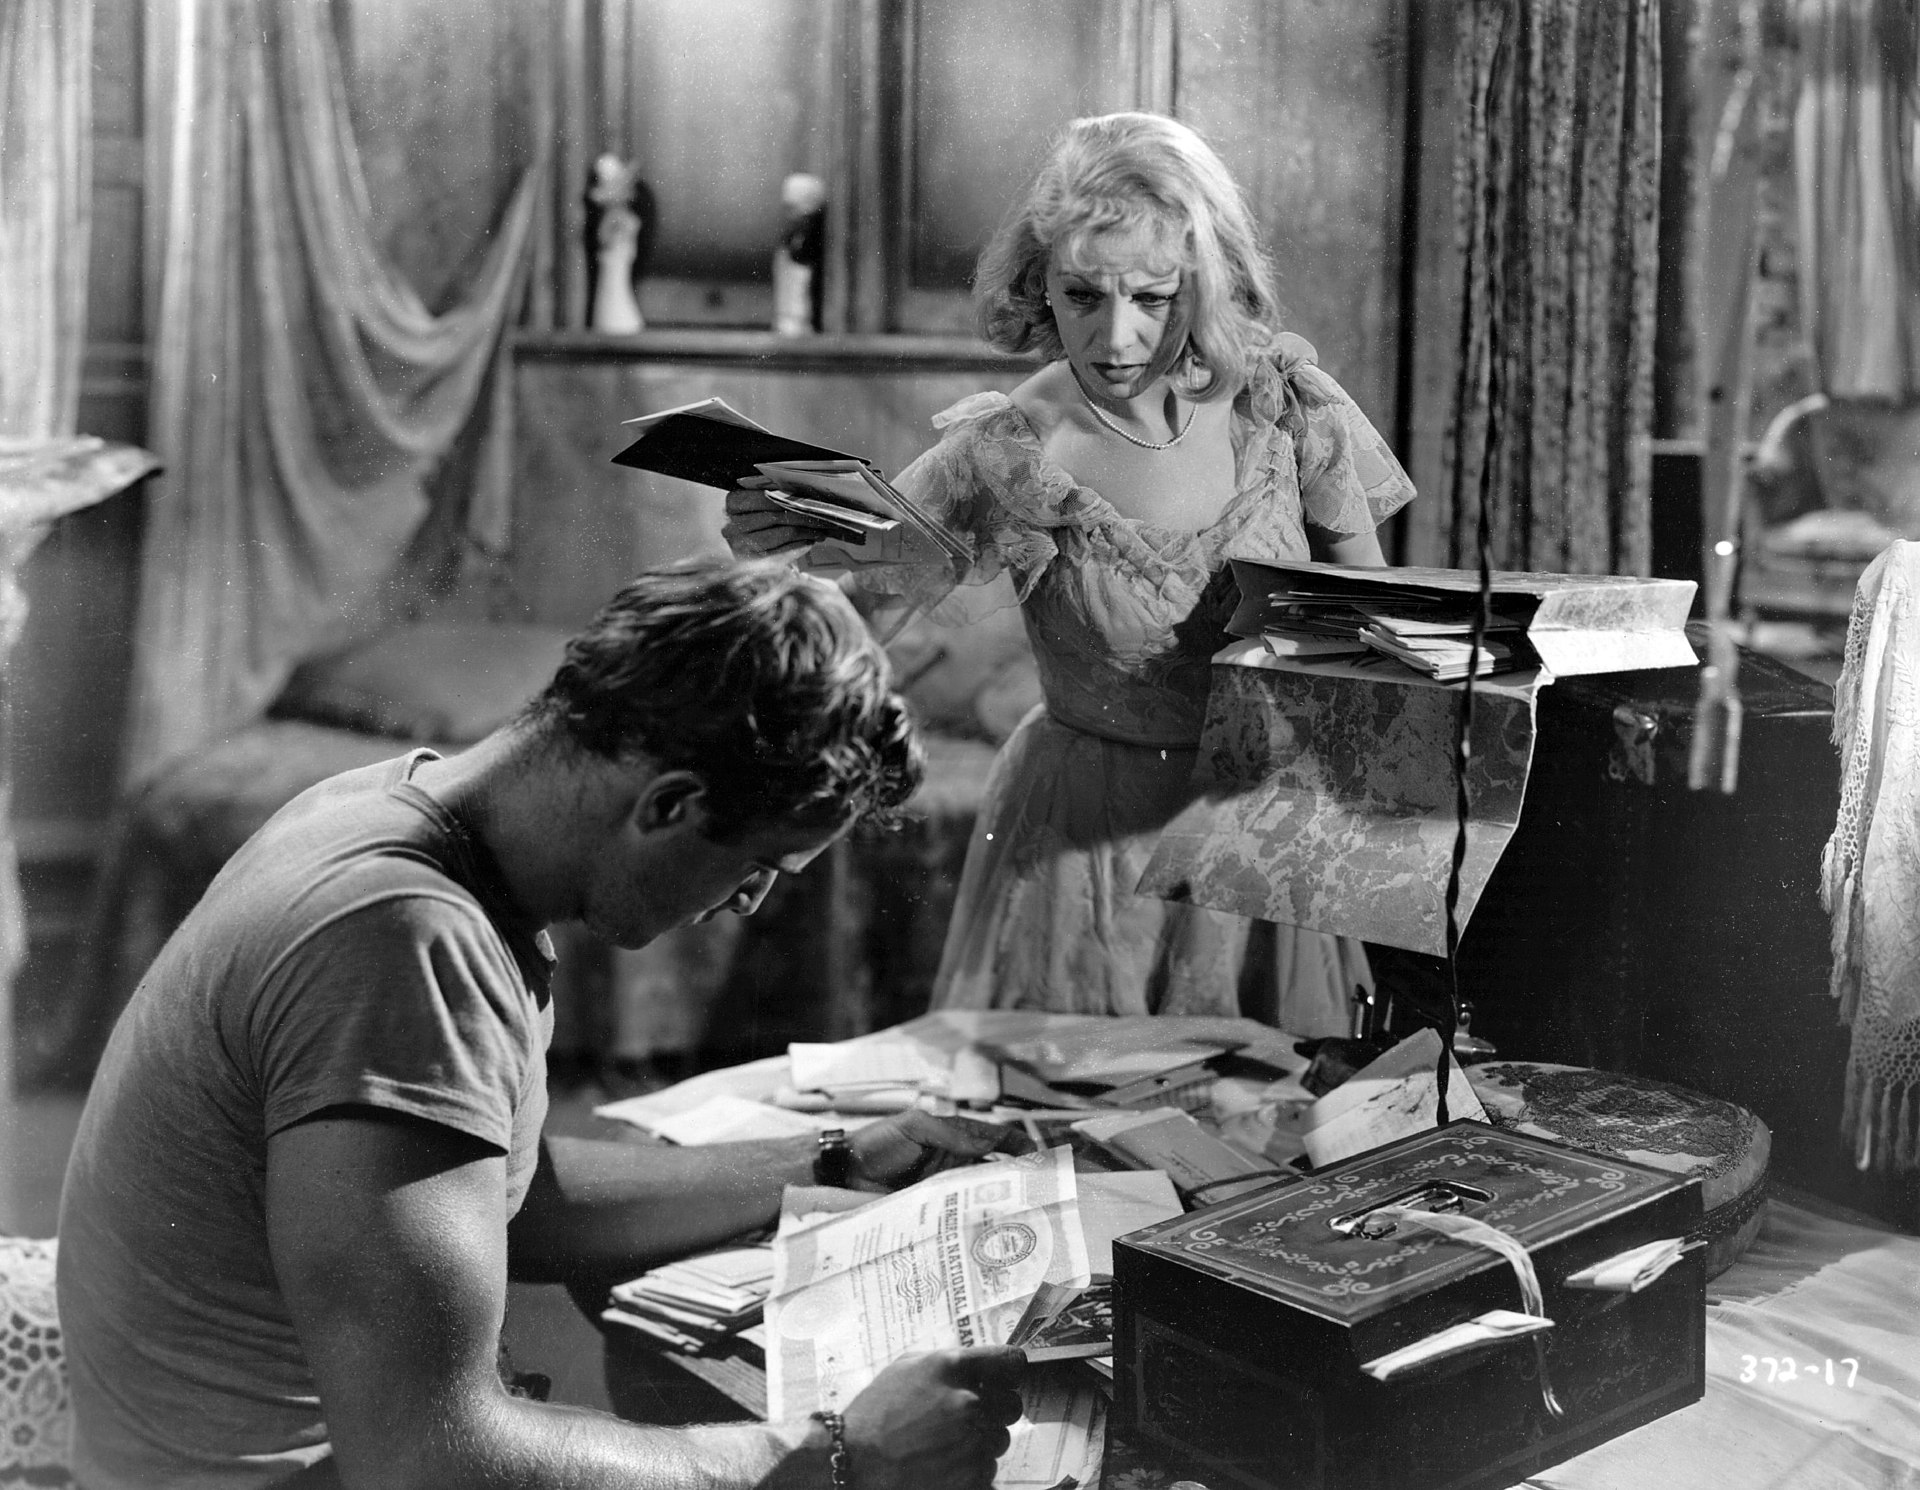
x=1123 y=173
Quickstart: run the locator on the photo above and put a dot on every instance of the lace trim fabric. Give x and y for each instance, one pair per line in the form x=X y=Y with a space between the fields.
x=990 y=480
x=1870 y=871
x=36 y=1415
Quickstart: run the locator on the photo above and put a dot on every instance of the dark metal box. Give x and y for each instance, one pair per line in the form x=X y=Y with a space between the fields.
x=1240 y=1329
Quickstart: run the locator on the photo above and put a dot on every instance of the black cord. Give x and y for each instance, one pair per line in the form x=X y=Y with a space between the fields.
x=1482 y=616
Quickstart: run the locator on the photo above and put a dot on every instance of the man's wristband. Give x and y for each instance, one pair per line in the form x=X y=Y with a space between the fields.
x=833 y=1163
x=837 y=1466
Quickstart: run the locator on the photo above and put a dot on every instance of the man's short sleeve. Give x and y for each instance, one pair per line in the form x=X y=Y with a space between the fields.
x=411 y=1003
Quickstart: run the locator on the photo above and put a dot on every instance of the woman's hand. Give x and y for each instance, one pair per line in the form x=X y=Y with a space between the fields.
x=911 y=1145
x=757 y=529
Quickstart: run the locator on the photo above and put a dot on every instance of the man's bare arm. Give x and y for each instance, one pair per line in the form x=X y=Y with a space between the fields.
x=601 y=1209
x=388 y=1236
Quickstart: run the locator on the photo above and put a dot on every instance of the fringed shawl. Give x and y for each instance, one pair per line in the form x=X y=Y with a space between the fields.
x=1870 y=872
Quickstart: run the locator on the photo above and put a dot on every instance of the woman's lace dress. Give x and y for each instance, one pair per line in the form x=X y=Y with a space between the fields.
x=1123 y=616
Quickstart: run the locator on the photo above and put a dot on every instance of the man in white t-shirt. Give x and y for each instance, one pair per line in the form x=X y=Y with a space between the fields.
x=312 y=1156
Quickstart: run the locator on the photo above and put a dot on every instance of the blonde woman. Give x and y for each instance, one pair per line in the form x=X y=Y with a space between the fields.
x=1171 y=424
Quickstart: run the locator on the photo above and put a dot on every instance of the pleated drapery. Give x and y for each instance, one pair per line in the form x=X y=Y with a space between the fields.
x=1556 y=194
x=1855 y=155
x=46 y=185
x=328 y=441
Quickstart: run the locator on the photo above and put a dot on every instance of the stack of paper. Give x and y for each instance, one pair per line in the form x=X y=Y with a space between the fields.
x=1568 y=623
x=1438 y=639
x=873 y=1075
x=714 y=444
x=1312 y=628
x=1112 y=1063
x=1430 y=633
x=846 y=513
x=853 y=499
x=698 y=1303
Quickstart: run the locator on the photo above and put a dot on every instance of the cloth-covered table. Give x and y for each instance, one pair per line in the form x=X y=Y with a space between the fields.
x=1817 y=1286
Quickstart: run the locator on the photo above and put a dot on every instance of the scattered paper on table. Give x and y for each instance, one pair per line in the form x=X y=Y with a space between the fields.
x=1061 y=1436
x=1112 y=1205
x=1067 y=1322
x=869 y=1101
x=1112 y=1052
x=753 y=1080
x=863 y=1063
x=1170 y=1140
x=724 y=1119
x=1395 y=1096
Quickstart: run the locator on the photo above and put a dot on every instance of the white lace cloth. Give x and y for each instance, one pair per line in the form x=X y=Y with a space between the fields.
x=36 y=1416
x=1870 y=873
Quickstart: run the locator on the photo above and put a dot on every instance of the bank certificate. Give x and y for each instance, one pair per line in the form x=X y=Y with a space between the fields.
x=951 y=1261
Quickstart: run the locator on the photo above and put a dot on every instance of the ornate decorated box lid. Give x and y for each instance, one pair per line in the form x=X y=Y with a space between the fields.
x=1305 y=1241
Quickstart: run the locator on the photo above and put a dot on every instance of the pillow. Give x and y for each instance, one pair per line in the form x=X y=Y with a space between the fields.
x=435 y=682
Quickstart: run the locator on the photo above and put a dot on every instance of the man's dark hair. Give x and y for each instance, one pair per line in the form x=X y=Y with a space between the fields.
x=760 y=679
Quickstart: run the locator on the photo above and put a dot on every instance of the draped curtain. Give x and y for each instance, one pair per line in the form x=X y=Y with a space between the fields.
x=46 y=180
x=330 y=445
x=1556 y=193
x=1855 y=128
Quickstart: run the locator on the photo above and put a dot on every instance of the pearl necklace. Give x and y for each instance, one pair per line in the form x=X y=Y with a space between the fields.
x=1101 y=414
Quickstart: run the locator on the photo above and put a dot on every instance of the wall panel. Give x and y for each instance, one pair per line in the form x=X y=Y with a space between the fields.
x=584 y=524
x=1306 y=100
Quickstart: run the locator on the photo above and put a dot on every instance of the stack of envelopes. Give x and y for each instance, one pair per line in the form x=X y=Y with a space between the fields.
x=1431 y=633
x=698 y=1303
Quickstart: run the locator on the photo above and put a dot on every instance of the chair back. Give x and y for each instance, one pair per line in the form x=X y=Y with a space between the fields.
x=1831 y=484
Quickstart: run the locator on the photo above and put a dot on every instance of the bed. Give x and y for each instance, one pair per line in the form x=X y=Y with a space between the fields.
x=848 y=947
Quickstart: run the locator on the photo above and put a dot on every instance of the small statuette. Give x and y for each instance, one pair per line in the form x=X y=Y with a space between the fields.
x=616 y=202
x=799 y=259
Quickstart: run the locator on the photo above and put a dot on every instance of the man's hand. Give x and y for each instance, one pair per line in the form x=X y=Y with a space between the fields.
x=935 y=1422
x=911 y=1145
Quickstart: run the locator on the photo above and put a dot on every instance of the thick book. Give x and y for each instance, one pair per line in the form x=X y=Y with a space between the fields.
x=1573 y=623
x=712 y=443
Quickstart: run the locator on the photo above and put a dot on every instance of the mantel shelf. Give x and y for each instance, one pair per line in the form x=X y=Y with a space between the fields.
x=766 y=351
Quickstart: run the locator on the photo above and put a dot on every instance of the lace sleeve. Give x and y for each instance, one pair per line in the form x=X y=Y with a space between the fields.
x=974 y=481
x=1350 y=481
